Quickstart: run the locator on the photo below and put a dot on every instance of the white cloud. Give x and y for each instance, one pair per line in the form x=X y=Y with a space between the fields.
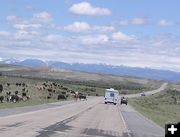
x=85 y=27
x=85 y=8
x=4 y=33
x=43 y=16
x=94 y=40
x=24 y=26
x=78 y=27
x=25 y=35
x=123 y=22
x=12 y=19
x=119 y=36
x=164 y=22
x=138 y=21
x=103 y=28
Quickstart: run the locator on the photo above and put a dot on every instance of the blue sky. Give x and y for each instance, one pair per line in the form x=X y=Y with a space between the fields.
x=135 y=33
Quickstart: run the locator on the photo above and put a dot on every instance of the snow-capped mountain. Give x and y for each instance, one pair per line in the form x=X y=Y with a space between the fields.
x=100 y=68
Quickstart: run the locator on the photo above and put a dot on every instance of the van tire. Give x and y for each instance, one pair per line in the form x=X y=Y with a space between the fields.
x=114 y=103
x=105 y=102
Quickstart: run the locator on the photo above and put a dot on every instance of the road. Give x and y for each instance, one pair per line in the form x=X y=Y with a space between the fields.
x=148 y=93
x=83 y=118
x=138 y=125
x=90 y=118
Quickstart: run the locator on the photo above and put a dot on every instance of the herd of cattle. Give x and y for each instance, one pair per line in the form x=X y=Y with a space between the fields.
x=16 y=96
x=51 y=87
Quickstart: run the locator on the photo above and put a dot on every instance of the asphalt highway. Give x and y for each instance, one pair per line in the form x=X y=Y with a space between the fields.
x=91 y=118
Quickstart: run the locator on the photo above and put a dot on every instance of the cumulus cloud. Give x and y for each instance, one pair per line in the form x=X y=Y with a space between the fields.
x=85 y=8
x=123 y=22
x=43 y=16
x=164 y=22
x=94 y=40
x=119 y=36
x=85 y=27
x=103 y=28
x=77 y=27
x=138 y=21
x=28 y=25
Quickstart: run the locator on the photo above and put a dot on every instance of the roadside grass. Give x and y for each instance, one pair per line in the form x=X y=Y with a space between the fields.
x=85 y=83
x=24 y=103
x=161 y=107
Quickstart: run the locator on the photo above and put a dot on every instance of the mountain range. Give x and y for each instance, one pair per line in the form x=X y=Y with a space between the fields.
x=100 y=68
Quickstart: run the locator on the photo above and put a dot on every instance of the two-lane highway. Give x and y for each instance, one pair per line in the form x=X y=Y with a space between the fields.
x=90 y=118
x=83 y=118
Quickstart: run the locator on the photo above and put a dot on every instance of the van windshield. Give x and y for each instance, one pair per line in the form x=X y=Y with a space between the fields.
x=111 y=94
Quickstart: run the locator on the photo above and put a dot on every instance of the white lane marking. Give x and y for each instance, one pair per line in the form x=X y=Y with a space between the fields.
x=124 y=122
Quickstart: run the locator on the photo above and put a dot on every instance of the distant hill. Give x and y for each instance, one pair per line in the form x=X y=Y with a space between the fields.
x=102 y=69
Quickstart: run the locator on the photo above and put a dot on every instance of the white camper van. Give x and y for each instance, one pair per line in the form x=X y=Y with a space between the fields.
x=111 y=96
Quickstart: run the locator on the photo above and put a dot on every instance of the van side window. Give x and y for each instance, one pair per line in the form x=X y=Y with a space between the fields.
x=111 y=94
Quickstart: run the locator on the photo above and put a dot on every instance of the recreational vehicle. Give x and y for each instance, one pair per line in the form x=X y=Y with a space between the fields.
x=111 y=96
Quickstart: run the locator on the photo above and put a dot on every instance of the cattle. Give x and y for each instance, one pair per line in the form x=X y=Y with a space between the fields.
x=28 y=97
x=18 y=84
x=1 y=88
x=72 y=92
x=64 y=88
x=48 y=97
x=1 y=99
x=23 y=94
x=16 y=92
x=63 y=92
x=54 y=84
x=63 y=97
x=49 y=90
x=8 y=93
x=82 y=97
x=23 y=84
x=14 y=98
x=8 y=84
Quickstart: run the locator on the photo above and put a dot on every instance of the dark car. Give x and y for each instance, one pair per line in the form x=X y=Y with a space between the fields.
x=124 y=100
x=143 y=94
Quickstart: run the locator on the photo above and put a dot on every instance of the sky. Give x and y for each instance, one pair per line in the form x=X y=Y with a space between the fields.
x=135 y=33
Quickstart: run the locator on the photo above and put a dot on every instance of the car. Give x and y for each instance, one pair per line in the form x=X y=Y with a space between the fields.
x=143 y=94
x=124 y=100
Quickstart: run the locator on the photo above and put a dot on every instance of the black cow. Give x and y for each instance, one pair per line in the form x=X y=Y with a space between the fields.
x=14 y=98
x=16 y=92
x=23 y=94
x=60 y=96
x=1 y=99
x=82 y=97
x=8 y=84
x=1 y=88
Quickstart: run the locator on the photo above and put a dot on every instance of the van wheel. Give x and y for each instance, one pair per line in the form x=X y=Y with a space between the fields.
x=114 y=103
x=105 y=102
